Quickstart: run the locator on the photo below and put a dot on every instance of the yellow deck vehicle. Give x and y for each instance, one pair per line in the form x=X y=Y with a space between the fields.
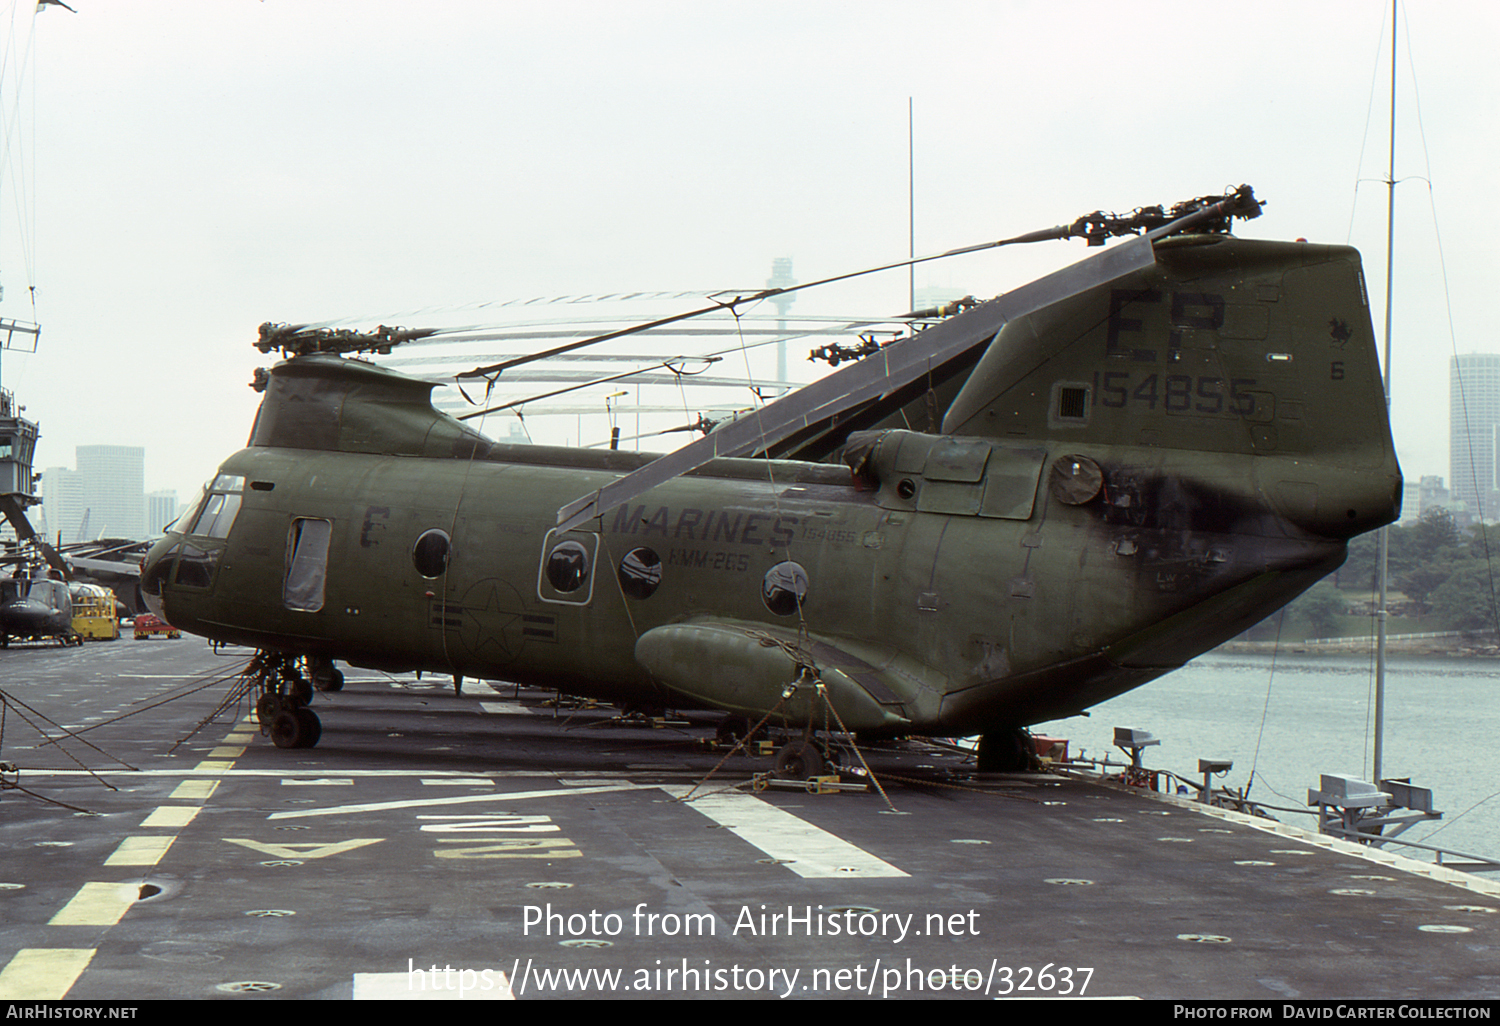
x=94 y=613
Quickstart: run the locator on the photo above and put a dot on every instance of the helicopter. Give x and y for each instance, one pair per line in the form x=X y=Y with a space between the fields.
x=32 y=604
x=32 y=609
x=35 y=593
x=1135 y=459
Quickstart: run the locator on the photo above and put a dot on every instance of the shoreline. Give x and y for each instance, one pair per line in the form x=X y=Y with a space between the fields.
x=1456 y=648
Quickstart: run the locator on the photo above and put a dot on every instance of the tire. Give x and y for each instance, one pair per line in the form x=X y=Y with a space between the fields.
x=266 y=708
x=296 y=728
x=299 y=688
x=312 y=728
x=799 y=760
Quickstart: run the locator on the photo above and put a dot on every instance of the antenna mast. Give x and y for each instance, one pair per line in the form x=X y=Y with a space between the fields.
x=1384 y=543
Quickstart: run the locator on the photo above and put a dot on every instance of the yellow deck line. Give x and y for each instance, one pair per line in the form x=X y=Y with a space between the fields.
x=43 y=974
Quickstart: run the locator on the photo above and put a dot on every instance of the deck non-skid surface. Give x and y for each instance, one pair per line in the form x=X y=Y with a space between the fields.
x=436 y=846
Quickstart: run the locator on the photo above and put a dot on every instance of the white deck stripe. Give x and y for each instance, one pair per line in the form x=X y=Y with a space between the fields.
x=463 y=799
x=810 y=851
x=505 y=708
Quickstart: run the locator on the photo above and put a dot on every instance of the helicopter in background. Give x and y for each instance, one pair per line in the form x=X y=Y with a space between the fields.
x=32 y=609
x=1136 y=458
x=32 y=605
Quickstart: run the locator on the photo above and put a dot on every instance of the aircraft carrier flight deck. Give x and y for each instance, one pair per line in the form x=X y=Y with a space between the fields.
x=494 y=845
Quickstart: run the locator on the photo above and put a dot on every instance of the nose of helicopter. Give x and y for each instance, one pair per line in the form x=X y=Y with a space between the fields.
x=25 y=616
x=156 y=570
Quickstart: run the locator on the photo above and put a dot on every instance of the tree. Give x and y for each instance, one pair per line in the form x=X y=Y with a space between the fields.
x=1318 y=609
x=1418 y=581
x=1358 y=571
x=1466 y=601
x=1433 y=532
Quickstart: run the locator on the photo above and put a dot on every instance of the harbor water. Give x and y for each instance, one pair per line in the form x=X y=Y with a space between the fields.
x=1289 y=719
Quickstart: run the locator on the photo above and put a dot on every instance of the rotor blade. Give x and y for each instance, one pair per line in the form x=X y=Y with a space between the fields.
x=894 y=366
x=16 y=514
x=1045 y=235
x=697 y=425
x=639 y=371
x=707 y=358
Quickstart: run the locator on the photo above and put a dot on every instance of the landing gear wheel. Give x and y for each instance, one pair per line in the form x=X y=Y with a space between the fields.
x=296 y=728
x=282 y=691
x=1005 y=751
x=799 y=760
x=298 y=687
x=266 y=708
x=286 y=730
x=325 y=676
x=312 y=727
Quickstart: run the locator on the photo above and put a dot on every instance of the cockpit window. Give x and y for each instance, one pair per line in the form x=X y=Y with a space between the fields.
x=49 y=593
x=217 y=509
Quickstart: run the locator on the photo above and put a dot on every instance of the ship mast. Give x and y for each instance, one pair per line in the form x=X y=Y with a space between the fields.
x=1383 y=541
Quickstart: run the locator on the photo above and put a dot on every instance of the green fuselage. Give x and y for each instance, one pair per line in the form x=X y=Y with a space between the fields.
x=962 y=622
x=1125 y=479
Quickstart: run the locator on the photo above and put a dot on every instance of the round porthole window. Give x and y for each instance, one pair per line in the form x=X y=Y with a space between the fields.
x=640 y=573
x=568 y=566
x=785 y=588
x=430 y=554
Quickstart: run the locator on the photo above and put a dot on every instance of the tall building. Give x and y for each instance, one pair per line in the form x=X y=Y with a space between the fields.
x=1429 y=493
x=161 y=510
x=105 y=496
x=62 y=504
x=1474 y=418
x=114 y=485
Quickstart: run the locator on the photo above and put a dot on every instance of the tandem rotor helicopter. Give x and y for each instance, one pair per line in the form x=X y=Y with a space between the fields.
x=1138 y=457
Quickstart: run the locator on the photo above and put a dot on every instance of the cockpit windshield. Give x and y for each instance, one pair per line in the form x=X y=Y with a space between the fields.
x=214 y=515
x=52 y=594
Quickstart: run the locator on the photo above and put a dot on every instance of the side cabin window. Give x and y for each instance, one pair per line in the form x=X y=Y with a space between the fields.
x=430 y=554
x=306 y=564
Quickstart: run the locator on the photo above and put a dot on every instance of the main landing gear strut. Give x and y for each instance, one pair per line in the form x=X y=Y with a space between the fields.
x=281 y=703
x=1005 y=751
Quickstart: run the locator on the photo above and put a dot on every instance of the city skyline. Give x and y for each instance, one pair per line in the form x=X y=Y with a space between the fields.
x=357 y=164
x=1473 y=421
x=102 y=495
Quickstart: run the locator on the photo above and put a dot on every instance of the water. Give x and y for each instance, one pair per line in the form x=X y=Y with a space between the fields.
x=1313 y=715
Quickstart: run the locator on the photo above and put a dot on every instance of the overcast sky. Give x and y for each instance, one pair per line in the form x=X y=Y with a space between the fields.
x=179 y=171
